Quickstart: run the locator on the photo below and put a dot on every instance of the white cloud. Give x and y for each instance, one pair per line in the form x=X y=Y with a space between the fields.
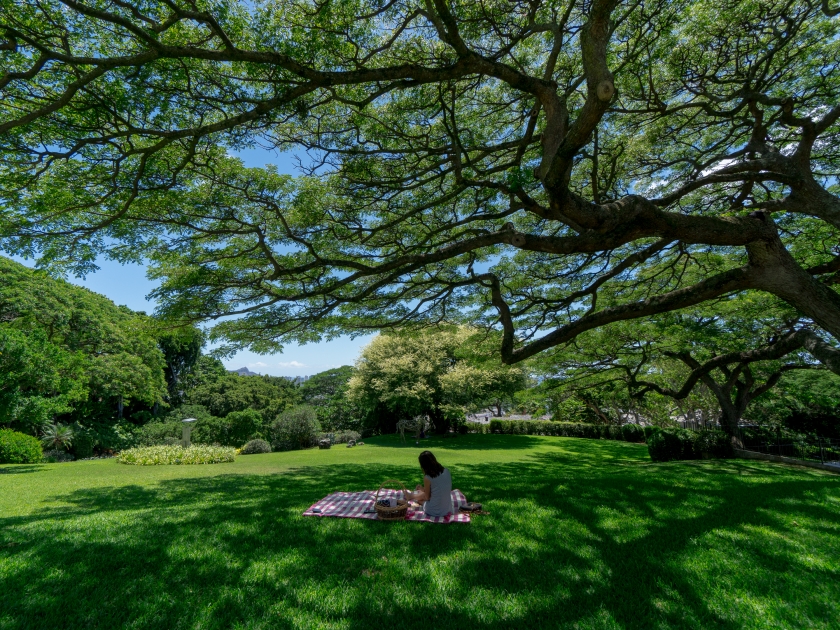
x=257 y=364
x=295 y=364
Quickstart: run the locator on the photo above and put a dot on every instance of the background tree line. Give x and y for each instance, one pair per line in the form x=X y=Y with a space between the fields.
x=71 y=358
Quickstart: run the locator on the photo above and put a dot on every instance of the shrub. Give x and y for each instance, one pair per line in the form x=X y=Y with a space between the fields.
x=255 y=447
x=158 y=455
x=477 y=427
x=670 y=444
x=665 y=445
x=84 y=442
x=19 y=448
x=233 y=430
x=342 y=437
x=114 y=437
x=242 y=426
x=612 y=432
x=156 y=433
x=714 y=443
x=57 y=456
x=559 y=429
x=649 y=430
x=632 y=433
x=57 y=436
x=296 y=428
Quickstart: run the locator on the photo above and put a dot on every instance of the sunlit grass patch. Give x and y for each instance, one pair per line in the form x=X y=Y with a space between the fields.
x=580 y=534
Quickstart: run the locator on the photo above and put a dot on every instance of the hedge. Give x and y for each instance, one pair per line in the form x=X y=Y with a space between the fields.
x=663 y=444
x=673 y=444
x=568 y=429
x=19 y=448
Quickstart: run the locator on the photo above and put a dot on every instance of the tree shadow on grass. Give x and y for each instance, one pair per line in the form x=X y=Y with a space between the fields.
x=566 y=544
x=19 y=469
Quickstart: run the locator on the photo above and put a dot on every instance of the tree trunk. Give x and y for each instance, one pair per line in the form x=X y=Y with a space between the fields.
x=776 y=271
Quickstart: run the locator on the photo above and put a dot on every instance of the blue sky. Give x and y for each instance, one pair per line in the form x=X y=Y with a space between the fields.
x=128 y=285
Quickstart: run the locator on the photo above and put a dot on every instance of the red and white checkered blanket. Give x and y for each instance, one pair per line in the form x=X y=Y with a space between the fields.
x=354 y=504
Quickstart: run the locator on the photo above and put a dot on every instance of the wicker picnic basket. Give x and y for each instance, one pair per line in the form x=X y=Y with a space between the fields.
x=391 y=513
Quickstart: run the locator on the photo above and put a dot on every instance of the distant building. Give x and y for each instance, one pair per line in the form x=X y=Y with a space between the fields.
x=297 y=380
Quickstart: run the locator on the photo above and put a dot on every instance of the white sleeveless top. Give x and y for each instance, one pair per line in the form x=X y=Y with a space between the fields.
x=440 y=503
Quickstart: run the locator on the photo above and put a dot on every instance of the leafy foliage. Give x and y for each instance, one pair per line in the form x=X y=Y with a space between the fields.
x=221 y=392
x=255 y=447
x=437 y=371
x=19 y=448
x=162 y=455
x=58 y=436
x=672 y=444
x=543 y=169
x=235 y=429
x=295 y=428
x=327 y=392
x=68 y=353
x=181 y=349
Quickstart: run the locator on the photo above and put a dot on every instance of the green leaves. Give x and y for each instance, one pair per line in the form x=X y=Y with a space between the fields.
x=63 y=347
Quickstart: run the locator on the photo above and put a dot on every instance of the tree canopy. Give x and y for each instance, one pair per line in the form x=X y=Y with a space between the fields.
x=438 y=371
x=715 y=357
x=544 y=167
x=68 y=352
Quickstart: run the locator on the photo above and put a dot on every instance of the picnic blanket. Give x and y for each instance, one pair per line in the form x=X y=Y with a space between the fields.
x=354 y=504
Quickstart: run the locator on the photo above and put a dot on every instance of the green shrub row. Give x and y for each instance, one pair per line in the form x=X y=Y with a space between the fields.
x=255 y=447
x=627 y=432
x=672 y=444
x=339 y=437
x=19 y=448
x=663 y=444
x=159 y=455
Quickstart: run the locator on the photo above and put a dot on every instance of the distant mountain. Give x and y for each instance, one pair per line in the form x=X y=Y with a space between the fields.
x=243 y=371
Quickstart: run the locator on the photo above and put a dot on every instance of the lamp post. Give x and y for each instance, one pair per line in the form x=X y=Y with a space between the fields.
x=185 y=435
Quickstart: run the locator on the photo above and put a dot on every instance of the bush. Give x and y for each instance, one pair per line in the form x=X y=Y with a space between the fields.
x=713 y=443
x=632 y=433
x=477 y=427
x=159 y=455
x=649 y=430
x=84 y=442
x=665 y=445
x=296 y=428
x=342 y=437
x=58 y=436
x=671 y=444
x=255 y=447
x=57 y=456
x=233 y=430
x=19 y=448
x=157 y=433
x=242 y=426
x=559 y=429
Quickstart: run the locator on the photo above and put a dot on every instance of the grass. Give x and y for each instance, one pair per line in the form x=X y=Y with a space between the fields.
x=580 y=534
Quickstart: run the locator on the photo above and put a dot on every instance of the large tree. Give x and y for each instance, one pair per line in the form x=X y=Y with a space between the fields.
x=736 y=350
x=440 y=371
x=547 y=167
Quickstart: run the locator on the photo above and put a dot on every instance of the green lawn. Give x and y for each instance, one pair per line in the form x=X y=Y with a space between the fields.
x=580 y=534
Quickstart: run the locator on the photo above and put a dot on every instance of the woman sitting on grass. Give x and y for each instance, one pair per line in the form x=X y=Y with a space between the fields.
x=435 y=495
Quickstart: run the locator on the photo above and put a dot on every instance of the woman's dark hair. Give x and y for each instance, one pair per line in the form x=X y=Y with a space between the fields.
x=429 y=464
